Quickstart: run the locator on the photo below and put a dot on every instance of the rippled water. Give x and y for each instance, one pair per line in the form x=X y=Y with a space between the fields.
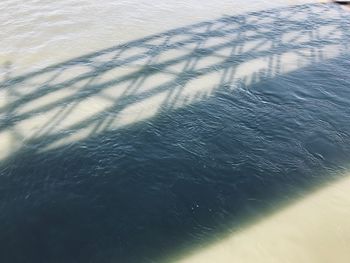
x=144 y=132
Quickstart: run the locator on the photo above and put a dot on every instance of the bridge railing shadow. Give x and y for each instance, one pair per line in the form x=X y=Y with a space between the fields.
x=122 y=85
x=141 y=151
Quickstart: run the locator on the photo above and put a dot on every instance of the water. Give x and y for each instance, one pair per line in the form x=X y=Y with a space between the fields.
x=149 y=132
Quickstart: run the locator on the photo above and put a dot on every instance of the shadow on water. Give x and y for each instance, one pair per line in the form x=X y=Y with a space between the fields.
x=142 y=192
x=135 y=81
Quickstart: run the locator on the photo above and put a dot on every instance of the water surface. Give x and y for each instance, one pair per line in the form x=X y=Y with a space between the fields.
x=164 y=142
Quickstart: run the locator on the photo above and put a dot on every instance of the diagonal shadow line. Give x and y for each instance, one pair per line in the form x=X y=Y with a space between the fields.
x=95 y=89
x=106 y=68
x=229 y=19
x=182 y=79
x=147 y=70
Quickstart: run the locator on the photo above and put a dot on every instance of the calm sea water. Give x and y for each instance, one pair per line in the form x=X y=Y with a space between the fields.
x=131 y=133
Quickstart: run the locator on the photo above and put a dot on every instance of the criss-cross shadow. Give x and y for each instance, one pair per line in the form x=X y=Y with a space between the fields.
x=133 y=82
x=138 y=152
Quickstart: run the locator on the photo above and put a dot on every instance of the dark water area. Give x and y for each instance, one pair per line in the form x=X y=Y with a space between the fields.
x=152 y=189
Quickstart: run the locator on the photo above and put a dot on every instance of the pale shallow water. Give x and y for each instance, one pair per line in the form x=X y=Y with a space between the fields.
x=154 y=132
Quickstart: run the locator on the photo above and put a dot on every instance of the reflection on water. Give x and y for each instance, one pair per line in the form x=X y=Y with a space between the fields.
x=149 y=148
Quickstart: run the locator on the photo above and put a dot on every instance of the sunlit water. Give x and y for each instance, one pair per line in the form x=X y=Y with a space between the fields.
x=133 y=131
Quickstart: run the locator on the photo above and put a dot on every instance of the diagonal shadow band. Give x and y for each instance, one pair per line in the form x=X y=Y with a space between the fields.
x=133 y=82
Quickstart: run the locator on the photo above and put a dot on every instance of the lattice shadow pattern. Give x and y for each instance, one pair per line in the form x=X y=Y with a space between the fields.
x=132 y=82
